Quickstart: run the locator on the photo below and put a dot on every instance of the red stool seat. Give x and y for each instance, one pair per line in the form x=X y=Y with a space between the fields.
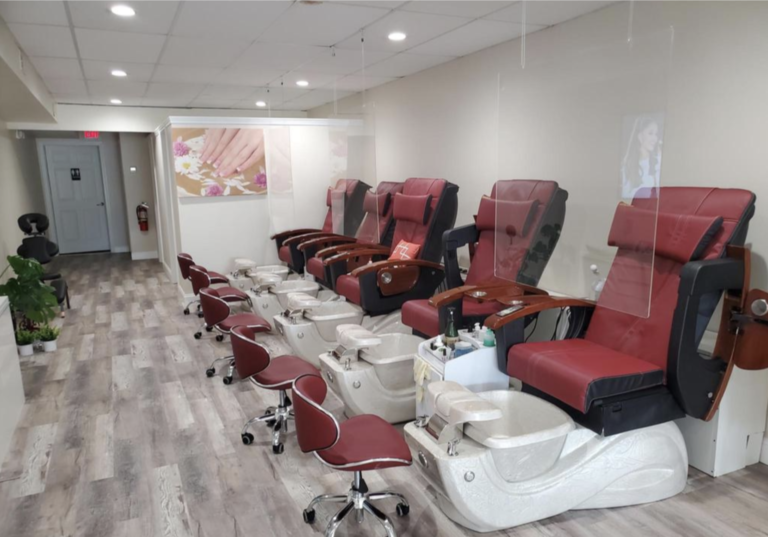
x=251 y=320
x=282 y=371
x=367 y=442
x=231 y=294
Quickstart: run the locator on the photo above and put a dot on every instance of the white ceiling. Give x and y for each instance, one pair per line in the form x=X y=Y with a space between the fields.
x=221 y=54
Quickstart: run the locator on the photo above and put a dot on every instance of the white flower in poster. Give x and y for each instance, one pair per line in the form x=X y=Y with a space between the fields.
x=188 y=165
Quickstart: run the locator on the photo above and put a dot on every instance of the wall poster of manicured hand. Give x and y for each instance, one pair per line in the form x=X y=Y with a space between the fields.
x=219 y=161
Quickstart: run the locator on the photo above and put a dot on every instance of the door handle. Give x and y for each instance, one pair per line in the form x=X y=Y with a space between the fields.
x=100 y=204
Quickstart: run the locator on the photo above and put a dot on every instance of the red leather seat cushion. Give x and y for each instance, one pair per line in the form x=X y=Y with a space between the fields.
x=349 y=287
x=282 y=371
x=316 y=268
x=364 y=439
x=419 y=315
x=578 y=372
x=251 y=320
x=217 y=277
x=284 y=254
x=232 y=294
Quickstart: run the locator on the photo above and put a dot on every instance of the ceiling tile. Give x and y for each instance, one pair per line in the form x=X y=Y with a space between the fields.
x=202 y=52
x=183 y=73
x=472 y=10
x=386 y=4
x=317 y=98
x=475 y=36
x=205 y=102
x=181 y=93
x=277 y=56
x=359 y=83
x=58 y=68
x=118 y=46
x=247 y=77
x=231 y=20
x=274 y=97
x=59 y=86
x=226 y=91
x=98 y=70
x=34 y=13
x=344 y=61
x=321 y=24
x=150 y=18
x=547 y=13
x=116 y=88
x=128 y=101
x=316 y=80
x=418 y=27
x=405 y=64
x=165 y=102
x=38 y=40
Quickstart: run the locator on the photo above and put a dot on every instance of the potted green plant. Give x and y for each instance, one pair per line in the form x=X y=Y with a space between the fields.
x=48 y=335
x=24 y=342
x=32 y=302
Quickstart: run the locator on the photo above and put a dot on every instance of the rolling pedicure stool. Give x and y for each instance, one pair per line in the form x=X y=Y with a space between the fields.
x=219 y=317
x=252 y=361
x=202 y=279
x=356 y=445
x=593 y=426
x=185 y=263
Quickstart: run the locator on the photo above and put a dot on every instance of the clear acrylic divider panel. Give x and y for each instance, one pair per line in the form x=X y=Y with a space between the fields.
x=591 y=119
x=280 y=193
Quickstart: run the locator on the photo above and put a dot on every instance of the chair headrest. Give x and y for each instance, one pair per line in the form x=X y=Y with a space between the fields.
x=517 y=215
x=412 y=208
x=377 y=203
x=33 y=223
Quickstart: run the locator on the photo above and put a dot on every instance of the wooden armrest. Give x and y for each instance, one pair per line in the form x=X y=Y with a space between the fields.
x=452 y=295
x=291 y=233
x=297 y=239
x=333 y=250
x=535 y=304
x=357 y=252
x=337 y=239
x=394 y=263
x=498 y=291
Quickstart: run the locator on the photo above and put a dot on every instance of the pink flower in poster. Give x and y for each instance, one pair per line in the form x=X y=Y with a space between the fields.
x=260 y=180
x=180 y=149
x=214 y=190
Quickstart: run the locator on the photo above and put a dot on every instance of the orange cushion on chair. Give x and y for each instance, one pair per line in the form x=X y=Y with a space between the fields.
x=405 y=250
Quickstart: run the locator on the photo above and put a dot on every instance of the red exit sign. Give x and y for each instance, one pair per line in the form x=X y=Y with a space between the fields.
x=90 y=134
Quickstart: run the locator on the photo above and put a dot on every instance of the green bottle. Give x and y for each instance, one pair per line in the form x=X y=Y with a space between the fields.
x=451 y=332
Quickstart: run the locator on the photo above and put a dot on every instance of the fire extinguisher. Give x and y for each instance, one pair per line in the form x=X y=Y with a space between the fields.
x=142 y=213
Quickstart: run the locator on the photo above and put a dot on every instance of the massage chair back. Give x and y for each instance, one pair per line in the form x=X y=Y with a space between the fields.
x=250 y=357
x=316 y=428
x=36 y=245
x=353 y=193
x=534 y=212
x=378 y=224
x=199 y=277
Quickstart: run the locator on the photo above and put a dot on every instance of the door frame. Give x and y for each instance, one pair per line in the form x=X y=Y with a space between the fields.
x=42 y=143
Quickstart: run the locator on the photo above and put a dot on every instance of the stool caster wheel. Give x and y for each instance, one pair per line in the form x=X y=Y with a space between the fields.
x=402 y=509
x=186 y=311
x=270 y=423
x=247 y=439
x=211 y=371
x=309 y=515
x=200 y=314
x=278 y=450
x=198 y=335
x=209 y=329
x=227 y=380
x=220 y=337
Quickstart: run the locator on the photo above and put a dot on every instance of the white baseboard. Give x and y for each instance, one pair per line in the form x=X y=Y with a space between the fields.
x=136 y=256
x=764 y=452
x=121 y=249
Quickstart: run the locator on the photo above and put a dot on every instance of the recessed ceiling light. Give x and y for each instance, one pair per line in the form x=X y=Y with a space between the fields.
x=116 y=101
x=261 y=104
x=302 y=83
x=122 y=10
x=396 y=36
x=119 y=73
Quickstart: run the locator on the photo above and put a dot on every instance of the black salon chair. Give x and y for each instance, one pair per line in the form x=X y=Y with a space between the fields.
x=37 y=246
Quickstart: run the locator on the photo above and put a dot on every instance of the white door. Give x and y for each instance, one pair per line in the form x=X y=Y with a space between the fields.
x=77 y=195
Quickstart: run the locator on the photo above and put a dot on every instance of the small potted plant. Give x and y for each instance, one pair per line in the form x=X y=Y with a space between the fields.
x=25 y=342
x=48 y=335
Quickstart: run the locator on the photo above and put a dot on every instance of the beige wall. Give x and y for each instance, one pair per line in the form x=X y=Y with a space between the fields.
x=20 y=190
x=443 y=122
x=138 y=187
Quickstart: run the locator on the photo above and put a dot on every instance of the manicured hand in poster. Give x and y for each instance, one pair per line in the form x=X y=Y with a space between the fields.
x=232 y=151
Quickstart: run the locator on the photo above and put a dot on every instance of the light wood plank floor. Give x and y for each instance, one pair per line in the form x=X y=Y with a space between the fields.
x=124 y=436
